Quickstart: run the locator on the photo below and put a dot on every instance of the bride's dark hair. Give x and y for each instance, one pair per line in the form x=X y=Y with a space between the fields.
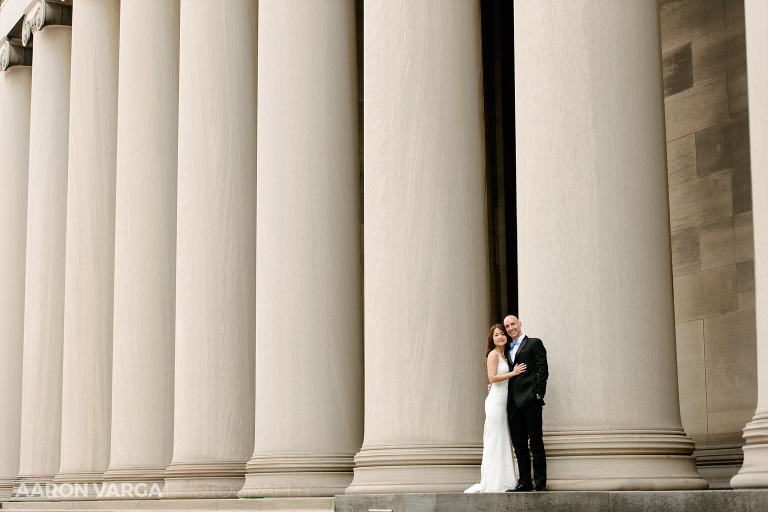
x=491 y=345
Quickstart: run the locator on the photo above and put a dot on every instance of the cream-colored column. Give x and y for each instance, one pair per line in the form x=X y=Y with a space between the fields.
x=87 y=377
x=216 y=250
x=145 y=241
x=594 y=267
x=427 y=297
x=15 y=90
x=754 y=472
x=40 y=448
x=309 y=388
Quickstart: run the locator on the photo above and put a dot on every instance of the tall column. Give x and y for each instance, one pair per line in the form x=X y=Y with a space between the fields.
x=427 y=297
x=40 y=448
x=216 y=250
x=594 y=267
x=308 y=425
x=145 y=241
x=754 y=472
x=15 y=90
x=87 y=377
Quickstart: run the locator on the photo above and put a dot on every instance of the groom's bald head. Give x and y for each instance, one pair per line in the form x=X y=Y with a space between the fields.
x=513 y=327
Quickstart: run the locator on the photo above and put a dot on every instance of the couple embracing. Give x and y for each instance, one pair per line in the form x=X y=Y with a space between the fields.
x=517 y=371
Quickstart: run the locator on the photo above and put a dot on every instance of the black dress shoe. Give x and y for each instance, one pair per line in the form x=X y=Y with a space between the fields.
x=521 y=488
x=542 y=489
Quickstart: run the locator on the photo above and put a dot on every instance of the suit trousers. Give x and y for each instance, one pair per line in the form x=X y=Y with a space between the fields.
x=524 y=424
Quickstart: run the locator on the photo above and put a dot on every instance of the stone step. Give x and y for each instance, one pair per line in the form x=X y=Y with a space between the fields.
x=561 y=501
x=212 y=505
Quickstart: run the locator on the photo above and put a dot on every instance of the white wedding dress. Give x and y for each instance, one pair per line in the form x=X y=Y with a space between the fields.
x=497 y=472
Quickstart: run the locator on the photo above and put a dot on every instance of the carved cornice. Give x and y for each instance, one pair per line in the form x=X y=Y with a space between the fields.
x=43 y=14
x=12 y=53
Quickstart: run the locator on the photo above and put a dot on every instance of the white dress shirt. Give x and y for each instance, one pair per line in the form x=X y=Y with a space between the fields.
x=514 y=350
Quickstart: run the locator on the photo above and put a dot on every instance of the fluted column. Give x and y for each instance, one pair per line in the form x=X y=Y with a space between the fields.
x=309 y=394
x=427 y=297
x=145 y=241
x=87 y=377
x=754 y=472
x=594 y=265
x=40 y=448
x=216 y=250
x=15 y=90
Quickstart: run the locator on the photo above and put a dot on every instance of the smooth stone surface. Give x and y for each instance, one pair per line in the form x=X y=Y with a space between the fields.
x=742 y=189
x=709 y=57
x=717 y=244
x=215 y=250
x=427 y=298
x=691 y=371
x=40 y=449
x=145 y=241
x=701 y=201
x=86 y=391
x=594 y=271
x=309 y=426
x=681 y=159
x=704 y=294
x=719 y=465
x=687 y=20
x=684 y=114
x=678 y=70
x=711 y=123
x=744 y=236
x=738 y=103
x=754 y=473
x=729 y=342
x=686 y=251
x=15 y=92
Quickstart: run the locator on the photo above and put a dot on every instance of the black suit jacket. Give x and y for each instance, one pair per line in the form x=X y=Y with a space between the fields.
x=523 y=388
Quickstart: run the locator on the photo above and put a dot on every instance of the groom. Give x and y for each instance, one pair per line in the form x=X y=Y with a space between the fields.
x=524 y=405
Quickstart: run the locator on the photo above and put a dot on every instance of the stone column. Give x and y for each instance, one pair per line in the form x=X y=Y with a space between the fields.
x=216 y=250
x=309 y=389
x=427 y=297
x=145 y=241
x=87 y=377
x=40 y=448
x=15 y=90
x=594 y=264
x=754 y=472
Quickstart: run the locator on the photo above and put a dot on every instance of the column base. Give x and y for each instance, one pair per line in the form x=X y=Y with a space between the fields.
x=297 y=476
x=718 y=465
x=135 y=474
x=77 y=486
x=6 y=487
x=31 y=488
x=91 y=477
x=754 y=472
x=626 y=460
x=416 y=468
x=131 y=483
x=204 y=480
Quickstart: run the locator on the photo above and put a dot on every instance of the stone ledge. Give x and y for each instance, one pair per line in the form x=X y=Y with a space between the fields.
x=562 y=501
x=271 y=504
x=551 y=501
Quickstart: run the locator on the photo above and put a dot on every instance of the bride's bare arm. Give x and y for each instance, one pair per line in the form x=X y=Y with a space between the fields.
x=493 y=362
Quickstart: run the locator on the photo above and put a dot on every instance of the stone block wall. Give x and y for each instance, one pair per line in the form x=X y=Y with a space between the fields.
x=708 y=159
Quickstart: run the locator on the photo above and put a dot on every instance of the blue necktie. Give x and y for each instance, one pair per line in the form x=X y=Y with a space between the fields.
x=512 y=350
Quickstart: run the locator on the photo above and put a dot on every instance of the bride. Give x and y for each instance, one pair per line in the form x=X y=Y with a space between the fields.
x=497 y=472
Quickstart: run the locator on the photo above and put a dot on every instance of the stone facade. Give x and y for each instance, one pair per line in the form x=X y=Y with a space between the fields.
x=708 y=161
